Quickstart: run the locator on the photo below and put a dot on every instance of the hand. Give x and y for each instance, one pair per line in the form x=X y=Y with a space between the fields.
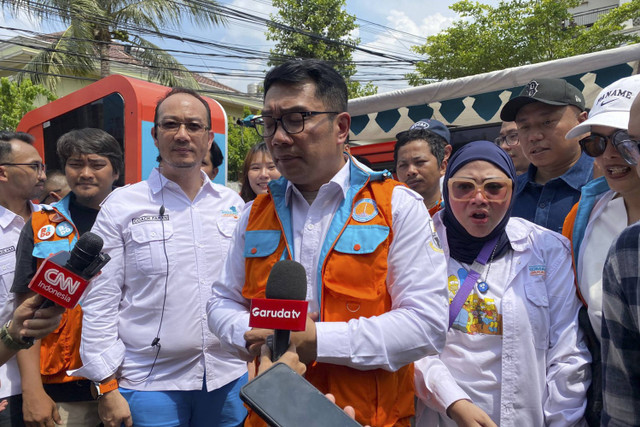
x=255 y=338
x=31 y=321
x=114 y=411
x=39 y=410
x=306 y=341
x=466 y=414
x=3 y=404
x=347 y=409
x=289 y=358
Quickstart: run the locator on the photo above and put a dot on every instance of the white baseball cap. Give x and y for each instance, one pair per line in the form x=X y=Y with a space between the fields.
x=611 y=107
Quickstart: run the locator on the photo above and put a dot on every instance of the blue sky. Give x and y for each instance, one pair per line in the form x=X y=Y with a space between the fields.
x=415 y=20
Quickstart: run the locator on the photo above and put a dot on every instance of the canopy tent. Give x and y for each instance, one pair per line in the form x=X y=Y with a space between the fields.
x=477 y=100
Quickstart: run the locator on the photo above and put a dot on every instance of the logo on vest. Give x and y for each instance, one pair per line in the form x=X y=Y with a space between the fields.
x=56 y=217
x=64 y=229
x=46 y=232
x=365 y=210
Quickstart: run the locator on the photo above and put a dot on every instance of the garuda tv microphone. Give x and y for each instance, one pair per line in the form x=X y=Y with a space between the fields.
x=284 y=309
x=63 y=277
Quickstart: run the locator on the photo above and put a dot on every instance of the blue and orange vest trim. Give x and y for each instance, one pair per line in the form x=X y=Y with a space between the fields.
x=60 y=350
x=352 y=271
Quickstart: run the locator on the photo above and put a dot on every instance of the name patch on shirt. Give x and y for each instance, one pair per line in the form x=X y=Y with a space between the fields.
x=150 y=218
x=232 y=212
x=7 y=250
x=537 y=270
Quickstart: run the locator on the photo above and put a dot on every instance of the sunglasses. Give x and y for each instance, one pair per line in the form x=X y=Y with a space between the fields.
x=595 y=145
x=465 y=189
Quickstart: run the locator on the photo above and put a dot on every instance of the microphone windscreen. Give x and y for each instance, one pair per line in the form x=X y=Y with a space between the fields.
x=85 y=251
x=287 y=280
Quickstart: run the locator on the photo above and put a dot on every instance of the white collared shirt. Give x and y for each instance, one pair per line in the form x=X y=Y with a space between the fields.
x=10 y=227
x=416 y=281
x=123 y=307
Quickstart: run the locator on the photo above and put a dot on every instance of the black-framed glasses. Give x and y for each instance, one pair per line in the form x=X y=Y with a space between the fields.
x=291 y=123
x=595 y=144
x=38 y=167
x=172 y=126
x=510 y=139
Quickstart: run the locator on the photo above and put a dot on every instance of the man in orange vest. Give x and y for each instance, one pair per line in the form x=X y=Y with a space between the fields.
x=92 y=160
x=376 y=278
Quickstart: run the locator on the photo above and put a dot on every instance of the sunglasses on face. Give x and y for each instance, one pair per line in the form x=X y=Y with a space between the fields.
x=465 y=189
x=595 y=145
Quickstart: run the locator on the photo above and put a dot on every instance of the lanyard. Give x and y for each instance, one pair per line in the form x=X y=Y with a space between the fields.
x=474 y=273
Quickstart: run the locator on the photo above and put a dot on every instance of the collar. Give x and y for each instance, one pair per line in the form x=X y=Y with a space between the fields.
x=7 y=216
x=340 y=180
x=577 y=175
x=157 y=182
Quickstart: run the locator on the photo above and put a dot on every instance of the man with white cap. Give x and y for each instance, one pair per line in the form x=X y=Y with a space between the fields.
x=607 y=205
x=544 y=112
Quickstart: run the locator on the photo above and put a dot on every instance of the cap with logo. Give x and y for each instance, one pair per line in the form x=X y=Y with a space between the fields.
x=611 y=107
x=547 y=91
x=432 y=125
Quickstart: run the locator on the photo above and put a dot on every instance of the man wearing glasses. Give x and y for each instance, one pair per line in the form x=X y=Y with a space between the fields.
x=621 y=308
x=544 y=112
x=509 y=142
x=608 y=204
x=145 y=339
x=376 y=280
x=22 y=176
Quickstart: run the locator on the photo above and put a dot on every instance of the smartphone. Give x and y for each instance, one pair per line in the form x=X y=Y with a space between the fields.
x=283 y=398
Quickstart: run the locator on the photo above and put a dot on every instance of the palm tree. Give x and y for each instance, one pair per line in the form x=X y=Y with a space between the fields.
x=94 y=24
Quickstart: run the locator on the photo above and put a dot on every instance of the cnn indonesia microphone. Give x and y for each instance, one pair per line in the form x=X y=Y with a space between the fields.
x=284 y=309
x=63 y=277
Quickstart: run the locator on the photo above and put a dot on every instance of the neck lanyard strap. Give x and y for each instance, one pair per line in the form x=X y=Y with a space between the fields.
x=474 y=273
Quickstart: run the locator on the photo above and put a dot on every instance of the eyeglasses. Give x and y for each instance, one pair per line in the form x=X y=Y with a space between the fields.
x=510 y=139
x=38 y=167
x=292 y=123
x=172 y=126
x=595 y=145
x=465 y=189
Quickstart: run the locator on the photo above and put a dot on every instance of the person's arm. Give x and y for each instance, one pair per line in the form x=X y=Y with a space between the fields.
x=101 y=349
x=29 y=321
x=568 y=359
x=38 y=409
x=417 y=283
x=621 y=330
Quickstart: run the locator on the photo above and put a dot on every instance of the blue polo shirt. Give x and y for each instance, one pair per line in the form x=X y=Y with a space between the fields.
x=548 y=205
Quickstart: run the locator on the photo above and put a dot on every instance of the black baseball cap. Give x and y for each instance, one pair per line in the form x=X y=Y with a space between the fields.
x=547 y=91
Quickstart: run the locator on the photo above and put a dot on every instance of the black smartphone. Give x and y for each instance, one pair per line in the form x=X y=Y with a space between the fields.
x=283 y=398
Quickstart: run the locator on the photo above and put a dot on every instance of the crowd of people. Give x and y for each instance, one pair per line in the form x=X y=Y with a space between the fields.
x=494 y=285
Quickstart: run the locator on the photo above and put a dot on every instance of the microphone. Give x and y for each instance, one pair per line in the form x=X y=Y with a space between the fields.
x=63 y=277
x=284 y=309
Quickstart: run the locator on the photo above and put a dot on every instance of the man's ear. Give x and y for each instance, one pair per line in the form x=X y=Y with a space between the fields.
x=3 y=174
x=154 y=136
x=583 y=116
x=343 y=123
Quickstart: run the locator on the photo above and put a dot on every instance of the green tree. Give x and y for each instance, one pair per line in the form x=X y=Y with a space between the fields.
x=240 y=140
x=317 y=29
x=16 y=100
x=516 y=33
x=93 y=24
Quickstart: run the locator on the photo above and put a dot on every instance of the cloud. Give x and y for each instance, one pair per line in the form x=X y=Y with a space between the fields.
x=22 y=20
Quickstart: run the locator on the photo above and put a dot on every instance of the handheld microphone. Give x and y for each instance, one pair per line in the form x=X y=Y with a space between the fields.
x=63 y=277
x=284 y=309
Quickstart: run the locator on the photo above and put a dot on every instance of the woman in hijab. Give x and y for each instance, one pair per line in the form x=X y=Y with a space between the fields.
x=514 y=355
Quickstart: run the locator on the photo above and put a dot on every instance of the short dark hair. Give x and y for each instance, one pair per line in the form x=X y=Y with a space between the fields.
x=6 y=137
x=330 y=86
x=435 y=141
x=177 y=90
x=90 y=141
x=216 y=155
x=246 y=192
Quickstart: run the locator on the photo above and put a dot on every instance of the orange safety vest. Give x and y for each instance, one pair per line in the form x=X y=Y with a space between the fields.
x=60 y=350
x=353 y=277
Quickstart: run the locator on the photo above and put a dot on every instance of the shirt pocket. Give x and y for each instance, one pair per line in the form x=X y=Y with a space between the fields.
x=151 y=246
x=538 y=309
x=261 y=243
x=7 y=268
